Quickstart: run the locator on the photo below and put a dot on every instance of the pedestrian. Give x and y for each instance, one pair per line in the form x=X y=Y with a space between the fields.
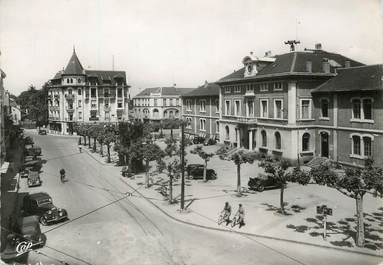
x=241 y=215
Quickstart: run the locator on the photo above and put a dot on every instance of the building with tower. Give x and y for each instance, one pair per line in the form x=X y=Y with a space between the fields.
x=86 y=96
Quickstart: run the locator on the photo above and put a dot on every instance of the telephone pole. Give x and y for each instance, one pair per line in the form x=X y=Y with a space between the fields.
x=182 y=165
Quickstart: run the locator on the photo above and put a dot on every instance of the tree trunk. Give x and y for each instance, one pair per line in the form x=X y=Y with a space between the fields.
x=281 y=200
x=79 y=141
x=171 y=133
x=94 y=144
x=204 y=172
x=84 y=139
x=360 y=221
x=239 y=178
x=108 y=147
x=89 y=140
x=147 y=174
x=170 y=188
x=130 y=164
x=101 y=149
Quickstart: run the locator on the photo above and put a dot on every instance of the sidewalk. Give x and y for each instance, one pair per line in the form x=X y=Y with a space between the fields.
x=300 y=225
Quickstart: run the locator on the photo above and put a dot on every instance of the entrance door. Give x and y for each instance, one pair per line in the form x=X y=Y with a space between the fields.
x=324 y=144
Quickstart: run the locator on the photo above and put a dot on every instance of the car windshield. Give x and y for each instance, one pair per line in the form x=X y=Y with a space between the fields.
x=45 y=201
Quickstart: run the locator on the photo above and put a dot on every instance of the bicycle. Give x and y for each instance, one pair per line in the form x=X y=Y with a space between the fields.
x=223 y=217
x=237 y=222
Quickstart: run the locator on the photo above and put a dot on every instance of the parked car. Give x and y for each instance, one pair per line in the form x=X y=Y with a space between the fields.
x=196 y=172
x=41 y=204
x=42 y=132
x=210 y=141
x=261 y=182
x=34 y=165
x=26 y=229
x=198 y=140
x=34 y=179
x=33 y=151
x=24 y=172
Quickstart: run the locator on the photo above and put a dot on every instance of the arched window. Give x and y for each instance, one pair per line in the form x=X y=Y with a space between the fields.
x=367 y=146
x=264 y=138
x=356 y=145
x=155 y=113
x=278 y=143
x=227 y=132
x=306 y=142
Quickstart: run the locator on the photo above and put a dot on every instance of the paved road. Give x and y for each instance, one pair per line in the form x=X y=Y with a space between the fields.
x=106 y=227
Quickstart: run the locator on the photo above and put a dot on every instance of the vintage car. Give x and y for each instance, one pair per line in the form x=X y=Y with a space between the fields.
x=24 y=172
x=26 y=235
x=34 y=165
x=195 y=171
x=33 y=179
x=41 y=204
x=198 y=140
x=42 y=132
x=209 y=141
x=33 y=151
x=261 y=182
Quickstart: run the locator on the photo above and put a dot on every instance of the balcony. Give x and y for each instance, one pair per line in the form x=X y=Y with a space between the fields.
x=250 y=93
x=93 y=118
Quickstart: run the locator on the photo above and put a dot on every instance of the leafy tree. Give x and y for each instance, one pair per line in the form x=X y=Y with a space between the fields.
x=172 y=168
x=205 y=156
x=354 y=183
x=29 y=141
x=238 y=157
x=171 y=124
x=109 y=138
x=150 y=152
x=34 y=104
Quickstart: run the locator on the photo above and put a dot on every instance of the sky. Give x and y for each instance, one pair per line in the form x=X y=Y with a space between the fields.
x=182 y=42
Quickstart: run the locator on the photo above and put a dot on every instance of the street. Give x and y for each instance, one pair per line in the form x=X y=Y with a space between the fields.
x=107 y=226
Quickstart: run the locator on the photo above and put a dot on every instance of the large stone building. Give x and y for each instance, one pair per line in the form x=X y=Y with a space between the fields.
x=200 y=108
x=157 y=103
x=267 y=105
x=89 y=96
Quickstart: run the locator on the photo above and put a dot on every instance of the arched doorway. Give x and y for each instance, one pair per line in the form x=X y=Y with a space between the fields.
x=324 y=136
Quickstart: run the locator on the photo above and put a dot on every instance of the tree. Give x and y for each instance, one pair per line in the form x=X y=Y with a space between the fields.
x=150 y=152
x=354 y=183
x=171 y=124
x=239 y=157
x=35 y=103
x=172 y=168
x=109 y=138
x=205 y=156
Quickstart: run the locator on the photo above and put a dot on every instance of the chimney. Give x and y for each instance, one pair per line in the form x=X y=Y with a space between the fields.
x=318 y=46
x=206 y=83
x=347 y=64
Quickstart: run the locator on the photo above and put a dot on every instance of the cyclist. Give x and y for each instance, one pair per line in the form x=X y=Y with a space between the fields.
x=227 y=212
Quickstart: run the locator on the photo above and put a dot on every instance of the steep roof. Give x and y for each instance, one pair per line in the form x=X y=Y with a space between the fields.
x=294 y=63
x=164 y=91
x=74 y=66
x=363 y=78
x=208 y=89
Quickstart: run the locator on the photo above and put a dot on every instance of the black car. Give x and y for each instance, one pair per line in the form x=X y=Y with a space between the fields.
x=261 y=182
x=198 y=140
x=41 y=204
x=209 y=141
x=42 y=132
x=196 y=172
x=33 y=151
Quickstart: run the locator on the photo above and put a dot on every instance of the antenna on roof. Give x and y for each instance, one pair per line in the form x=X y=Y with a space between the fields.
x=292 y=44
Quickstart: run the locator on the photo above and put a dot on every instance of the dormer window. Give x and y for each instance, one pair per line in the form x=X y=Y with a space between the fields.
x=309 y=66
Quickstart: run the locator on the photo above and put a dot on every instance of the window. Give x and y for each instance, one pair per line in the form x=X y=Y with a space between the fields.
x=263 y=87
x=305 y=109
x=306 y=142
x=227 y=89
x=249 y=88
x=237 y=89
x=172 y=100
x=79 y=104
x=93 y=104
x=367 y=146
x=202 y=106
x=93 y=92
x=278 y=86
x=155 y=102
x=106 y=93
x=264 y=138
x=217 y=126
x=367 y=109
x=227 y=107
x=189 y=123
x=188 y=104
x=227 y=132
x=324 y=107
x=278 y=143
x=250 y=108
x=79 y=115
x=356 y=113
x=119 y=92
x=79 y=80
x=119 y=104
x=79 y=92
x=264 y=108
x=237 y=108
x=202 y=123
x=356 y=145
x=278 y=106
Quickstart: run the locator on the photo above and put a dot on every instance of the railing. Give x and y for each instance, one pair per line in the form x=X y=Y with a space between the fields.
x=249 y=94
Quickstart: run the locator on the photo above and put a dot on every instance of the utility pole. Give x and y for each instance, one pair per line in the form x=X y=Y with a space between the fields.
x=182 y=165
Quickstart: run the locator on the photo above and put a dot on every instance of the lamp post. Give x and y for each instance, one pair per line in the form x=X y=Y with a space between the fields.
x=182 y=165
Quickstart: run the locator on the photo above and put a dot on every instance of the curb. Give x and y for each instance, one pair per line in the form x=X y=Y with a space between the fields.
x=245 y=233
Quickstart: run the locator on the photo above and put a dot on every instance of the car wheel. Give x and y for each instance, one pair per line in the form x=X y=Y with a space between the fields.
x=43 y=220
x=260 y=188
